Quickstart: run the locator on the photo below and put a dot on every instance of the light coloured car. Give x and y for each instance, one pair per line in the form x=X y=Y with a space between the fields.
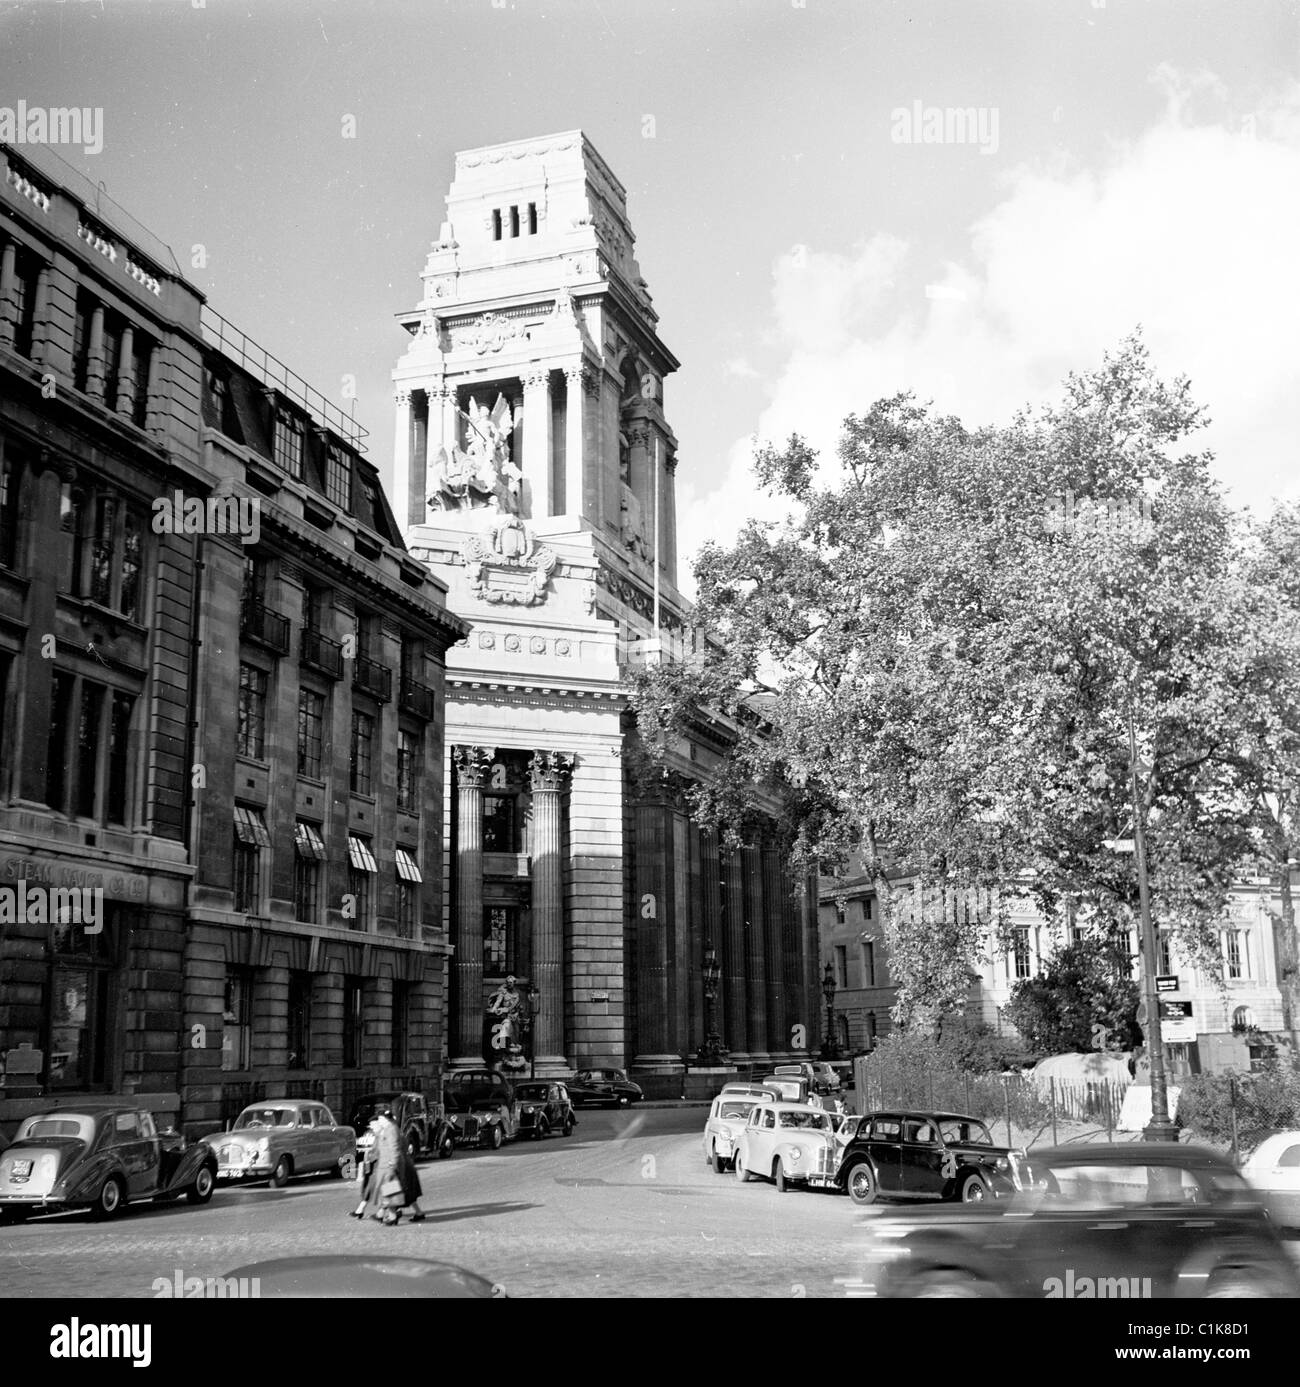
x=1273 y=1169
x=789 y=1143
x=754 y=1091
x=727 y=1118
x=279 y=1138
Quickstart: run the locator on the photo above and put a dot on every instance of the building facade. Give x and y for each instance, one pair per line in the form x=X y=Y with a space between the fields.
x=99 y=379
x=535 y=475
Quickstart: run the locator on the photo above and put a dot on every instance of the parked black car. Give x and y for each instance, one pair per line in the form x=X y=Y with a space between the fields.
x=927 y=1155
x=1135 y=1221
x=610 y=1088
x=424 y=1125
x=481 y=1107
x=544 y=1107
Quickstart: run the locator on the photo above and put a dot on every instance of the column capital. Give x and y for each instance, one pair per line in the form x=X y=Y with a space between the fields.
x=548 y=770
x=438 y=391
x=537 y=378
x=402 y=396
x=472 y=764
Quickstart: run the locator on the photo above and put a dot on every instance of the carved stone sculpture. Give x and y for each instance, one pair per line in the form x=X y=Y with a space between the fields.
x=481 y=475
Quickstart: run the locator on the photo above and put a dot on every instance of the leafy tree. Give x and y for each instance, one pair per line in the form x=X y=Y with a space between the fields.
x=1084 y=1000
x=941 y=667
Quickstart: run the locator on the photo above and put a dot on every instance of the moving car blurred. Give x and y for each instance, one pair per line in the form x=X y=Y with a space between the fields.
x=1273 y=1169
x=1130 y=1221
x=544 y=1107
x=424 y=1125
x=789 y=1142
x=791 y=1088
x=927 y=1155
x=727 y=1117
x=609 y=1088
x=481 y=1107
x=344 y=1276
x=100 y=1156
x=279 y=1138
x=821 y=1077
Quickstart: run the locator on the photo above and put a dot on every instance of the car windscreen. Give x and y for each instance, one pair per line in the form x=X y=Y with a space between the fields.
x=963 y=1133
x=736 y=1110
x=811 y=1120
x=1125 y=1184
x=531 y=1093
x=267 y=1117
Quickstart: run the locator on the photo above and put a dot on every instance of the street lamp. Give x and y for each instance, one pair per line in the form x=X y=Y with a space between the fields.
x=711 y=1053
x=829 y=1052
x=534 y=1006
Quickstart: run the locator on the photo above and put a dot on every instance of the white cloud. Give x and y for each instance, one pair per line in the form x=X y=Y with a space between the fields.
x=1188 y=231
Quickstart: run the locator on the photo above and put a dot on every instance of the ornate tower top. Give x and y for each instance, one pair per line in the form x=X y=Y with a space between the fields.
x=534 y=313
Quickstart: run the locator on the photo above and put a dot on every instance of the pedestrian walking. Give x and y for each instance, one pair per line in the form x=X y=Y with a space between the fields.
x=365 y=1173
x=385 y=1193
x=411 y=1189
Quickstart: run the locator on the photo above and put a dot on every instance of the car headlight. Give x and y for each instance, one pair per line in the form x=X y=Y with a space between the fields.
x=796 y=1152
x=1001 y=1163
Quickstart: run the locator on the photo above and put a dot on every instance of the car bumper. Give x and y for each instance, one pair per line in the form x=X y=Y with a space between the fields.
x=244 y=1172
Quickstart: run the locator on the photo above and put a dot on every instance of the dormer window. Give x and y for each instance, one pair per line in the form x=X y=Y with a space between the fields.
x=288 y=443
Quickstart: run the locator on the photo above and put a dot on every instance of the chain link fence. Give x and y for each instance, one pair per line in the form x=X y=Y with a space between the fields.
x=1236 y=1111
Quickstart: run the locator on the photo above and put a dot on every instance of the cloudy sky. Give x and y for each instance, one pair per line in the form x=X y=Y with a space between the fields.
x=809 y=243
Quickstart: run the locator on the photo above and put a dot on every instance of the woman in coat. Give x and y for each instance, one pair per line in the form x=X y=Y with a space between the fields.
x=386 y=1157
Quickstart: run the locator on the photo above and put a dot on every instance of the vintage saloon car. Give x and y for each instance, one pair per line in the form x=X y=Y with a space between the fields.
x=727 y=1118
x=424 y=1125
x=790 y=1143
x=100 y=1156
x=481 y=1107
x=544 y=1107
x=603 y=1087
x=1131 y=1221
x=927 y=1155
x=279 y=1138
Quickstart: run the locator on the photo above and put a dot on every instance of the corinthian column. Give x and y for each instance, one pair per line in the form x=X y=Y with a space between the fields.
x=578 y=380
x=472 y=765
x=548 y=772
x=402 y=479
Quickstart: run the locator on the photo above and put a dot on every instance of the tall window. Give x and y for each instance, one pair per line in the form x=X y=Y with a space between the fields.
x=363 y=734
x=103 y=548
x=311 y=721
x=88 y=750
x=250 y=837
x=252 y=711
x=353 y=1022
x=408 y=771
x=500 y=940
x=299 y=1028
x=1021 y=953
x=401 y=1024
x=81 y=340
x=500 y=824
x=309 y=851
x=81 y=1019
x=867 y=906
x=11 y=500
x=314 y=608
x=408 y=892
x=253 y=592
x=288 y=442
x=26 y=276
x=142 y=351
x=841 y=965
x=1236 y=944
x=1166 y=964
x=362 y=869
x=237 y=1014
x=868 y=963
x=338 y=477
x=112 y=358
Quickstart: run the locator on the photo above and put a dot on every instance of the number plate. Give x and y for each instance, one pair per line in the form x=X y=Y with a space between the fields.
x=21 y=1170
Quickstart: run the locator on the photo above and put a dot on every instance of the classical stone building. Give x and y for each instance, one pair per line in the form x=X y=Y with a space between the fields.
x=535 y=474
x=98 y=418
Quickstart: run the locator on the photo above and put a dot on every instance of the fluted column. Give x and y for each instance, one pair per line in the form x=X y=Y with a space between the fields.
x=472 y=766
x=402 y=479
x=735 y=1033
x=578 y=381
x=778 y=1029
x=126 y=374
x=95 y=354
x=549 y=771
x=8 y=276
x=755 y=958
x=537 y=445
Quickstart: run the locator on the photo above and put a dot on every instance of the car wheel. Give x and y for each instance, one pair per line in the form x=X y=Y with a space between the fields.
x=204 y=1184
x=498 y=1136
x=111 y=1197
x=542 y=1131
x=861 y=1183
x=947 y=1284
x=741 y=1173
x=413 y=1145
x=283 y=1170
x=778 y=1176
x=346 y=1169
x=974 y=1190
x=447 y=1147
x=567 y=1129
x=1240 y=1283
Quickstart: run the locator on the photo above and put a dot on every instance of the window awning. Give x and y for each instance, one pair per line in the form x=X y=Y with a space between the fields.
x=308 y=841
x=360 y=855
x=250 y=827
x=407 y=867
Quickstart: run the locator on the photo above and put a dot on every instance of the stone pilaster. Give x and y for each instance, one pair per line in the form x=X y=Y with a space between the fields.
x=537 y=445
x=549 y=771
x=416 y=501
x=578 y=380
x=755 y=955
x=735 y=1029
x=402 y=479
x=778 y=1027
x=472 y=765
x=8 y=278
x=654 y=907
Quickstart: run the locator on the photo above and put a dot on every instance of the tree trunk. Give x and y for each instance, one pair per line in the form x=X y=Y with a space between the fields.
x=1286 y=948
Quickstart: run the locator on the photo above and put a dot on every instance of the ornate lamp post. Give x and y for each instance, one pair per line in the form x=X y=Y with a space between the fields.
x=829 y=1050
x=534 y=1006
x=711 y=1053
